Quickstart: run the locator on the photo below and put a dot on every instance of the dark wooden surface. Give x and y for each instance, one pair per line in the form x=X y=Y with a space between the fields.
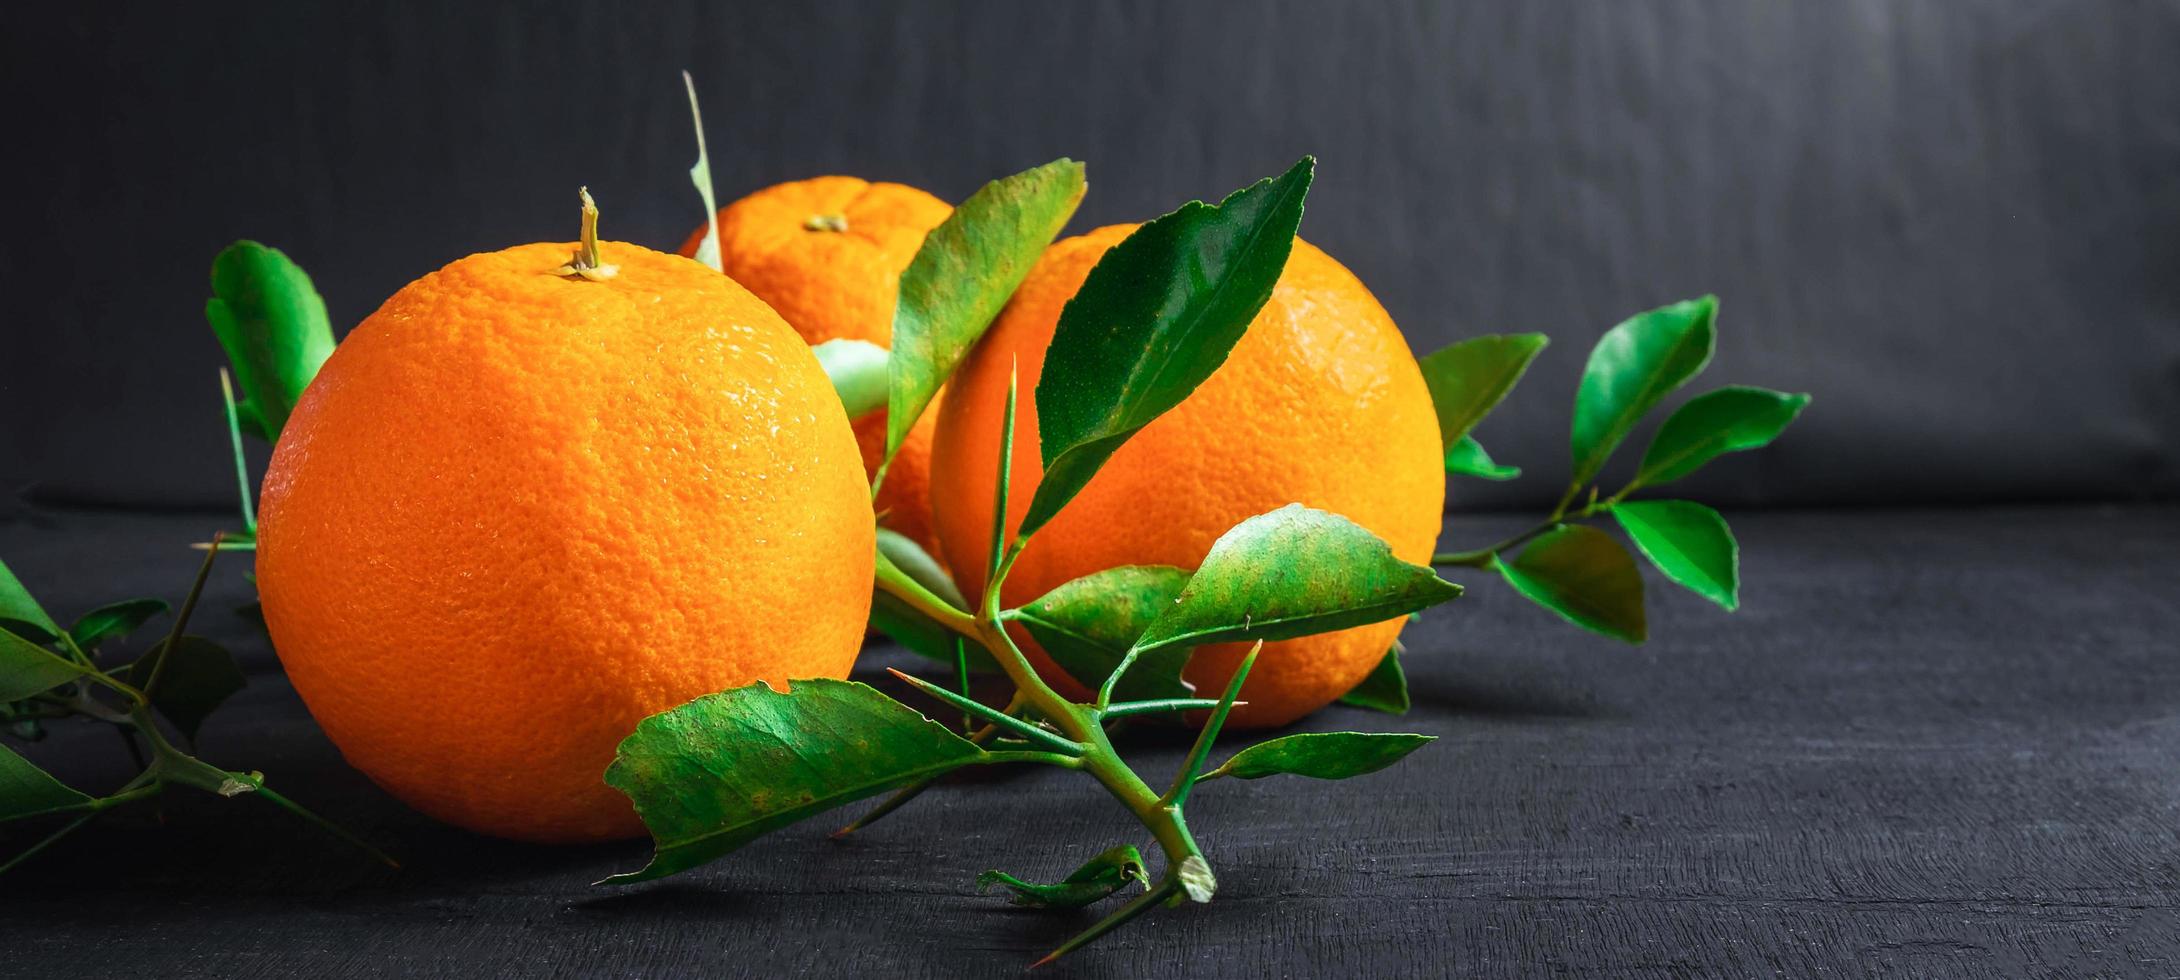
x=1932 y=744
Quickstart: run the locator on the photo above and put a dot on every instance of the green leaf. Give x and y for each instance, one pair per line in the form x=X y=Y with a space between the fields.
x=1097 y=879
x=1386 y=689
x=1087 y=626
x=1294 y=572
x=1329 y=755
x=1156 y=316
x=27 y=668
x=967 y=268
x=725 y=769
x=857 y=369
x=114 y=621
x=1689 y=542
x=707 y=250
x=198 y=677
x=1469 y=379
x=274 y=327
x=27 y=791
x=16 y=604
x=1467 y=458
x=1635 y=365
x=1585 y=576
x=1713 y=424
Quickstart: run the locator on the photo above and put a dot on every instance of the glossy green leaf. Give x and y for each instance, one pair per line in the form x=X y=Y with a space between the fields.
x=198 y=677
x=113 y=621
x=1385 y=689
x=707 y=249
x=274 y=327
x=16 y=604
x=1097 y=879
x=1087 y=625
x=27 y=791
x=1469 y=379
x=1156 y=316
x=1633 y=367
x=1293 y=572
x=1328 y=755
x=857 y=369
x=1585 y=576
x=27 y=668
x=967 y=268
x=725 y=769
x=1713 y=424
x=1467 y=458
x=1689 y=542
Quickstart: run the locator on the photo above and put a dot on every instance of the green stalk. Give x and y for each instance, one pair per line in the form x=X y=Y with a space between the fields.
x=1483 y=557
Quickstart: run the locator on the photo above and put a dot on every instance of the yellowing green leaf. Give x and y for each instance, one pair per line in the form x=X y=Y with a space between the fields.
x=1293 y=572
x=725 y=769
x=1689 y=542
x=967 y=268
x=1156 y=316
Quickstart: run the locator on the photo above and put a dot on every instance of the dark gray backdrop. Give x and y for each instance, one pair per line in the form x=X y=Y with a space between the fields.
x=1954 y=222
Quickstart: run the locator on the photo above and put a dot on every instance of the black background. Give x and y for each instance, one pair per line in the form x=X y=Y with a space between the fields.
x=1955 y=223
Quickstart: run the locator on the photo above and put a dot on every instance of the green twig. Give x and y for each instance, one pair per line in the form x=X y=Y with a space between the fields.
x=1127 y=708
x=1483 y=557
x=181 y=620
x=1184 y=781
x=49 y=840
x=1136 y=906
x=1006 y=722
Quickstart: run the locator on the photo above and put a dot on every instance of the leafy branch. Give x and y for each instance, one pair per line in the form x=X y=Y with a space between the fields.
x=1577 y=570
x=49 y=674
x=1147 y=328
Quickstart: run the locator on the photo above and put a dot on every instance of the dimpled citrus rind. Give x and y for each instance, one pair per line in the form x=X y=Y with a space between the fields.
x=1321 y=403
x=517 y=513
x=840 y=285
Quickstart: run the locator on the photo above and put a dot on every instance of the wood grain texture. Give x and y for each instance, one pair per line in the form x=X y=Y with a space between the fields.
x=1932 y=744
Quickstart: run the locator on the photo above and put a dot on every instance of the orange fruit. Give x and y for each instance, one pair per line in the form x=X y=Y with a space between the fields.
x=1320 y=403
x=518 y=512
x=827 y=253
